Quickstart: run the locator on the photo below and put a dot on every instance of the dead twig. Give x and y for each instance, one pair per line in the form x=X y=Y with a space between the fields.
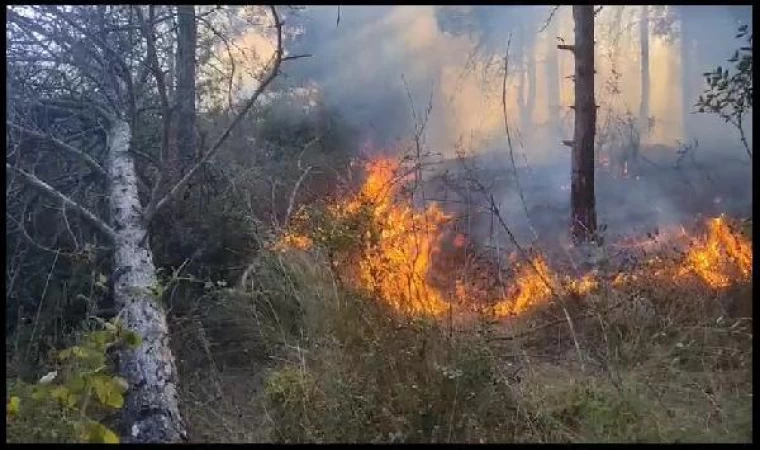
x=509 y=138
x=527 y=259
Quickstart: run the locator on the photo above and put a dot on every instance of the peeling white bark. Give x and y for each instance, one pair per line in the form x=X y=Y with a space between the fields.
x=151 y=412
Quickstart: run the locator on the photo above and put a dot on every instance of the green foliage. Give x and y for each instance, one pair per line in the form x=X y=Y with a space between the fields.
x=69 y=403
x=729 y=94
x=339 y=231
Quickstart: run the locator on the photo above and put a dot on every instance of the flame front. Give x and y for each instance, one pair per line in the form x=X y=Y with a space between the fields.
x=397 y=244
x=721 y=256
x=532 y=286
x=397 y=265
x=395 y=256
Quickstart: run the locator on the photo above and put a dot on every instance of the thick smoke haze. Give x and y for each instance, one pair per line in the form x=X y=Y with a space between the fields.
x=371 y=61
x=456 y=54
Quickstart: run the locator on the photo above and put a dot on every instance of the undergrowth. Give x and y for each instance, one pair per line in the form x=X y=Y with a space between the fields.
x=76 y=401
x=300 y=356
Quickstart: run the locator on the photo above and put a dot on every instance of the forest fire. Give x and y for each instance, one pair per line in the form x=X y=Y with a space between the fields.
x=397 y=243
x=532 y=286
x=720 y=257
x=396 y=265
x=398 y=246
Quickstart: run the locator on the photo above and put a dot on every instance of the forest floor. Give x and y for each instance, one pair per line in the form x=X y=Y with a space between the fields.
x=648 y=362
x=647 y=338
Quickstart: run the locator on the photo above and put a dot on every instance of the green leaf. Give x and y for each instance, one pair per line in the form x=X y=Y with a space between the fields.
x=122 y=383
x=114 y=400
x=39 y=393
x=101 y=388
x=13 y=405
x=71 y=400
x=94 y=432
x=60 y=393
x=65 y=354
x=100 y=338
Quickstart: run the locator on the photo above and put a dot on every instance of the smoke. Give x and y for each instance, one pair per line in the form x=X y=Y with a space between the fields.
x=376 y=58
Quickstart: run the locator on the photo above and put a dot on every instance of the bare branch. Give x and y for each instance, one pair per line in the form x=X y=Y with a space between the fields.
x=509 y=138
x=293 y=195
x=25 y=234
x=549 y=19
x=55 y=194
x=158 y=75
x=228 y=48
x=113 y=56
x=152 y=208
x=84 y=156
x=290 y=58
x=145 y=156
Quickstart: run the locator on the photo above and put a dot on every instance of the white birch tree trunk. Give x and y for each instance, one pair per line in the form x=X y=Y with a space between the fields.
x=151 y=411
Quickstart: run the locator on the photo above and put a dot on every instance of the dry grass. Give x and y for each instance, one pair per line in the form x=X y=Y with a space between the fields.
x=301 y=358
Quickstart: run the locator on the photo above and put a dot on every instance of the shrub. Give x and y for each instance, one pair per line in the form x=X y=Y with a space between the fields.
x=69 y=403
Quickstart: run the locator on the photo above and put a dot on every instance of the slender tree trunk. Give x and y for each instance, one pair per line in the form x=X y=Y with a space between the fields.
x=171 y=74
x=185 y=100
x=687 y=66
x=644 y=105
x=583 y=220
x=520 y=57
x=151 y=412
x=530 y=58
x=552 y=80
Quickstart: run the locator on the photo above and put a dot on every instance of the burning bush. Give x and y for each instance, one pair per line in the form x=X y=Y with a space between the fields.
x=720 y=257
x=378 y=241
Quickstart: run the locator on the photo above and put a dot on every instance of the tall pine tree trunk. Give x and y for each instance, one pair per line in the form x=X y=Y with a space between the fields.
x=553 y=81
x=583 y=203
x=185 y=100
x=687 y=66
x=644 y=105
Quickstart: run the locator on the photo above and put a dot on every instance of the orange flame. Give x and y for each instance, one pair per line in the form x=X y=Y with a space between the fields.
x=395 y=262
x=721 y=256
x=394 y=265
x=530 y=289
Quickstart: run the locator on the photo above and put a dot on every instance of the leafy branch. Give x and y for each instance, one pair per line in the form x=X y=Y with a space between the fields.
x=729 y=95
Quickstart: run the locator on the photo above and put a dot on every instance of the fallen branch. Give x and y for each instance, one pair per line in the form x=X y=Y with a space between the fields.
x=532 y=330
x=53 y=193
x=74 y=151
